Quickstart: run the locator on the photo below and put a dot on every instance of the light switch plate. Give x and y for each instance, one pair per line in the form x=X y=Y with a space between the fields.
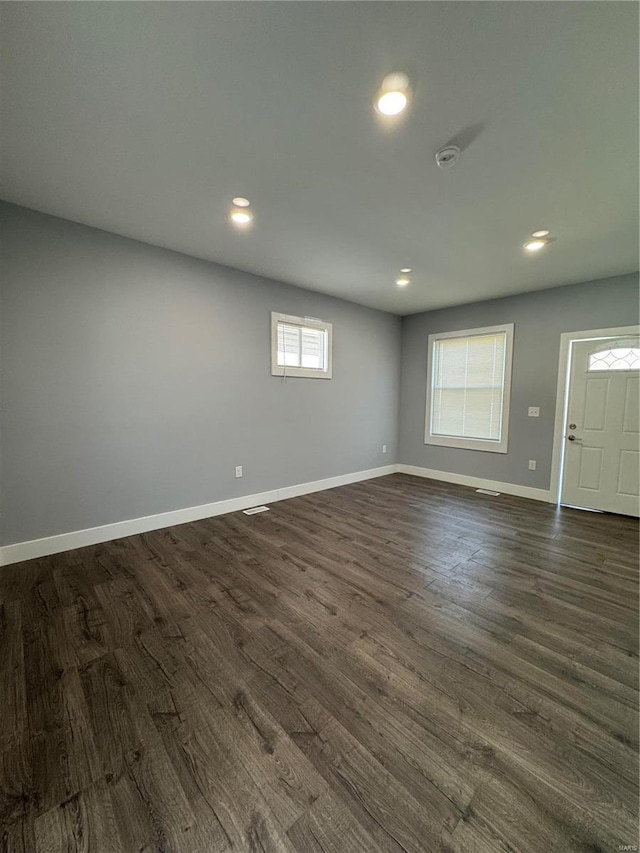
x=534 y=411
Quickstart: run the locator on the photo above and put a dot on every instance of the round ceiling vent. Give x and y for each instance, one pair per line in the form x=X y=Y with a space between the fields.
x=447 y=157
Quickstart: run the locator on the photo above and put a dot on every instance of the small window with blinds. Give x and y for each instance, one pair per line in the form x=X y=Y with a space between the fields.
x=300 y=346
x=468 y=389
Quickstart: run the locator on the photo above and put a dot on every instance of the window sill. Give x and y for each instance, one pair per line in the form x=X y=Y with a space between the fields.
x=300 y=372
x=467 y=443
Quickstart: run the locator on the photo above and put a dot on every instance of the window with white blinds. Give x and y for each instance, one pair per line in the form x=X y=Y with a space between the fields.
x=300 y=346
x=468 y=392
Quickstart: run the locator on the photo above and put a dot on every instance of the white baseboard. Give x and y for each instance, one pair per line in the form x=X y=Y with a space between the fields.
x=94 y=535
x=478 y=483
x=22 y=551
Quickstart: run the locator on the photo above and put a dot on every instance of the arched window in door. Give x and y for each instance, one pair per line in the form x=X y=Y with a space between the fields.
x=616 y=355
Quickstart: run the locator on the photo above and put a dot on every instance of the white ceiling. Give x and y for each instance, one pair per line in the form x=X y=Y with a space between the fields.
x=146 y=118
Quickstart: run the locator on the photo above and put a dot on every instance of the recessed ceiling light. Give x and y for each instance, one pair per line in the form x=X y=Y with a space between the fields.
x=535 y=245
x=393 y=95
x=405 y=269
x=403 y=281
x=542 y=233
x=241 y=217
x=392 y=103
x=240 y=201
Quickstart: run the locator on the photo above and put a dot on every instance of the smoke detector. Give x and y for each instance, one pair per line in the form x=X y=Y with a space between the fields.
x=448 y=156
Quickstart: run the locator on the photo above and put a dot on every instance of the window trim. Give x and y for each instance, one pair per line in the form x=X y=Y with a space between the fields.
x=303 y=322
x=472 y=443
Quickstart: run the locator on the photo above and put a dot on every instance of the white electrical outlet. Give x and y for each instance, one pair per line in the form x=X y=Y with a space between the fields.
x=384 y=448
x=238 y=470
x=534 y=411
x=532 y=464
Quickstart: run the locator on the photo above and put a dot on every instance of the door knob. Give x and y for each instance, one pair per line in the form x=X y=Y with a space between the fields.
x=571 y=437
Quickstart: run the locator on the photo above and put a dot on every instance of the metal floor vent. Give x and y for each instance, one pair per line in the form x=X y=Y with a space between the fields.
x=255 y=509
x=488 y=492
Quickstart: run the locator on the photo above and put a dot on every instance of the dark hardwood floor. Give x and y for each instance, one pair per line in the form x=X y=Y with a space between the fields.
x=396 y=665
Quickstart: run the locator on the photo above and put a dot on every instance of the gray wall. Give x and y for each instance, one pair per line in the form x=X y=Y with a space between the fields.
x=135 y=379
x=539 y=319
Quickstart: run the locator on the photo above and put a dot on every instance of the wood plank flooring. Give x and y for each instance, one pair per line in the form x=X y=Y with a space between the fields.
x=397 y=665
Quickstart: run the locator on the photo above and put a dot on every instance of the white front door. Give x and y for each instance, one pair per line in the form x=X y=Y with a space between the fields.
x=602 y=434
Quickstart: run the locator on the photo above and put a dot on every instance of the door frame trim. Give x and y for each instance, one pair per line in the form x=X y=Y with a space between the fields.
x=567 y=339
